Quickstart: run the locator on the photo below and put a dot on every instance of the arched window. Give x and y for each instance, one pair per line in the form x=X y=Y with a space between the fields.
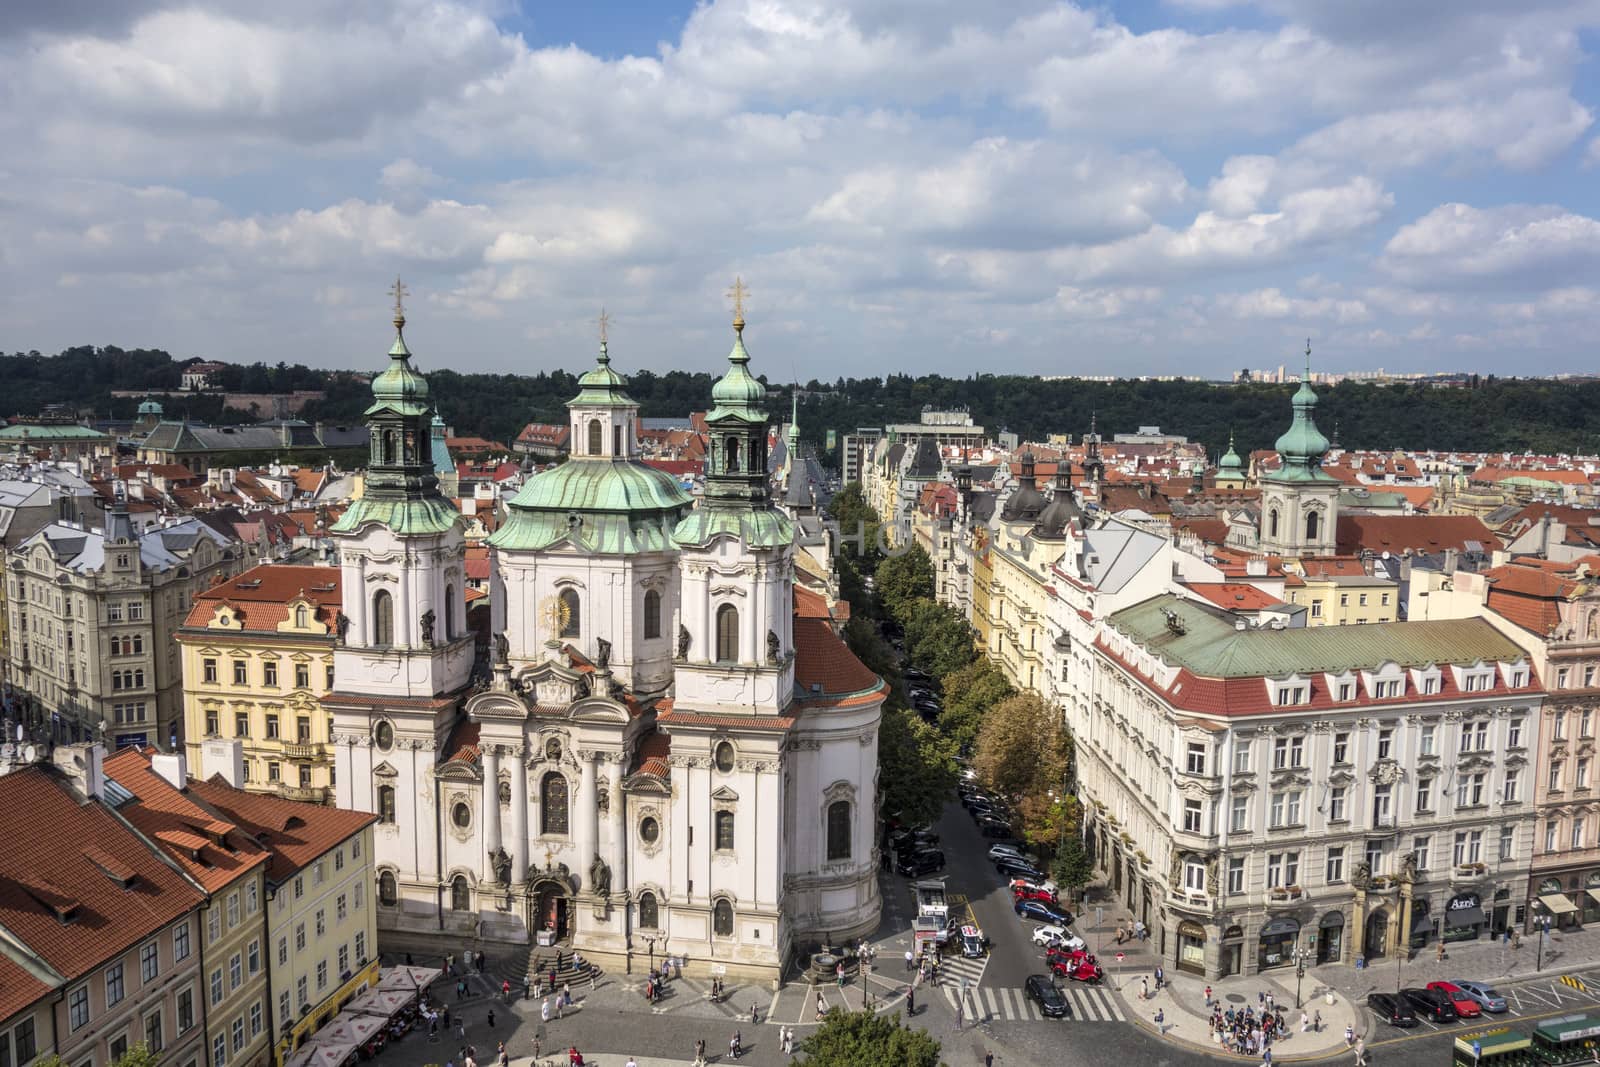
x=300 y=616
x=648 y=914
x=382 y=618
x=652 y=613
x=386 y=803
x=616 y=440
x=839 y=830
x=595 y=437
x=1272 y=523
x=571 y=613
x=722 y=918
x=449 y=612
x=553 y=804
x=727 y=634
x=460 y=894
x=730 y=456
x=1313 y=522
x=388 y=889
x=724 y=824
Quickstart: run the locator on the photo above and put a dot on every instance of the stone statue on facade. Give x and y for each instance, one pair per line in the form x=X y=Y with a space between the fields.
x=1361 y=877
x=683 y=641
x=427 y=621
x=600 y=876
x=341 y=626
x=500 y=860
x=502 y=649
x=774 y=648
x=1408 y=867
x=602 y=658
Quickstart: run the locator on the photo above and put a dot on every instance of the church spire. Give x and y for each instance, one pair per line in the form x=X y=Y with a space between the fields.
x=1302 y=446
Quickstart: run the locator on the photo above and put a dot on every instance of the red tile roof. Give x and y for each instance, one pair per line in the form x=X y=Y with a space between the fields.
x=261 y=596
x=652 y=754
x=809 y=604
x=544 y=433
x=478 y=563
x=18 y=988
x=1561 y=477
x=677 y=467
x=1416 y=533
x=1235 y=596
x=295 y=833
x=462 y=745
x=825 y=670
x=46 y=873
x=214 y=852
x=1529 y=596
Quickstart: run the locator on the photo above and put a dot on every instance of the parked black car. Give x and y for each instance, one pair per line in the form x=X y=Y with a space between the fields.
x=1046 y=995
x=1018 y=869
x=1391 y=1009
x=1430 y=1004
x=920 y=863
x=911 y=840
x=994 y=828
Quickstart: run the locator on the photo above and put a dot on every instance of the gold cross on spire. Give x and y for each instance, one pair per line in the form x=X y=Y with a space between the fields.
x=605 y=322
x=399 y=291
x=738 y=293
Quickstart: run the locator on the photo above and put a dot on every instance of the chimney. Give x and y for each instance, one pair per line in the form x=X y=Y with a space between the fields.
x=84 y=766
x=173 y=766
x=225 y=758
x=1449 y=561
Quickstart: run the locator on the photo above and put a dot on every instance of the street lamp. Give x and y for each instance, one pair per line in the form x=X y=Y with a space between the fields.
x=1543 y=923
x=1299 y=973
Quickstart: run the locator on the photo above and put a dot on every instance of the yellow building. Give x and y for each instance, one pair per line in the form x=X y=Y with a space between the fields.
x=257 y=658
x=1339 y=592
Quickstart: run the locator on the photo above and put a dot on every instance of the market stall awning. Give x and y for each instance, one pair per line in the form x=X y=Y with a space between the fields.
x=313 y=1054
x=1464 y=917
x=349 y=1026
x=1594 y=895
x=1557 y=903
x=408 y=979
x=384 y=1003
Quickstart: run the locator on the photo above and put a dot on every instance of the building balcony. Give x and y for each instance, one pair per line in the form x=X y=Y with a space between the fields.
x=302 y=750
x=311 y=794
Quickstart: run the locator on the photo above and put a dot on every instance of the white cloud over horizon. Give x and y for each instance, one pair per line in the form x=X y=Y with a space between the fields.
x=932 y=186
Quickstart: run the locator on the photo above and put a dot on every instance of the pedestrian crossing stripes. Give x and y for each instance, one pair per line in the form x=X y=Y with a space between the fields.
x=952 y=969
x=1575 y=982
x=1089 y=1004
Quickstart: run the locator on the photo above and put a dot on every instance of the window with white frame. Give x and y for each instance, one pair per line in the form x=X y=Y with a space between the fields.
x=1241 y=757
x=1553 y=783
x=1551 y=828
x=1341 y=747
x=1425 y=795
x=1386 y=742
x=1195 y=757
x=1194 y=876
x=1335 y=871
x=1469 y=790
x=1235 y=875
x=1508 y=843
x=1192 y=816
x=1513 y=786
x=1425 y=739
x=1337 y=796
x=1468 y=847
x=1578 y=823
x=1239 y=814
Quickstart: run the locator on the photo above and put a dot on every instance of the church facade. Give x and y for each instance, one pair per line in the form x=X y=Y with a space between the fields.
x=668 y=747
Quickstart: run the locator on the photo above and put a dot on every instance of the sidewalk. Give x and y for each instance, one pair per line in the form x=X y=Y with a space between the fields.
x=1187 y=1019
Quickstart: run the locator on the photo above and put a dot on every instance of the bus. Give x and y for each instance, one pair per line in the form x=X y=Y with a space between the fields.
x=1559 y=1042
x=1495 y=1048
x=1569 y=1039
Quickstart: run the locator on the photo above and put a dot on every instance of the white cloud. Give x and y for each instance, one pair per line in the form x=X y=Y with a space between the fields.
x=1274 y=304
x=1521 y=245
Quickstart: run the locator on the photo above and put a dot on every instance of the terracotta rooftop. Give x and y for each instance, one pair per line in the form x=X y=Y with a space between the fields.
x=73 y=912
x=825 y=670
x=262 y=594
x=462 y=745
x=18 y=987
x=296 y=834
x=652 y=754
x=213 y=851
x=1415 y=533
x=1235 y=596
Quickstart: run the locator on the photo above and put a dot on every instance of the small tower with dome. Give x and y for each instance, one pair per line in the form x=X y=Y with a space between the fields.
x=1299 y=500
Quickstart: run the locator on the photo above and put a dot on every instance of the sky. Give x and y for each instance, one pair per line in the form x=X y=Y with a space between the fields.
x=1166 y=186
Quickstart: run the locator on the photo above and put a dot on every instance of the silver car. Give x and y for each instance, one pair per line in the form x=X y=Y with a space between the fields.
x=1482 y=994
x=996 y=851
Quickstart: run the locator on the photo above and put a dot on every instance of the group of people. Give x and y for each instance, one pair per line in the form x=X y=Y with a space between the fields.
x=1131 y=929
x=1244 y=1031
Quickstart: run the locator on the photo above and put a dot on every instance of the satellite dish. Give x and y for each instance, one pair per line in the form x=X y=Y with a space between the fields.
x=30 y=754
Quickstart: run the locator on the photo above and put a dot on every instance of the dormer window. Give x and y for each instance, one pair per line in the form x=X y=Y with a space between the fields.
x=300 y=616
x=1293 y=694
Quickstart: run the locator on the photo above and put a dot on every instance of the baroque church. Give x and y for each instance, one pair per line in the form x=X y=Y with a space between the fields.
x=666 y=746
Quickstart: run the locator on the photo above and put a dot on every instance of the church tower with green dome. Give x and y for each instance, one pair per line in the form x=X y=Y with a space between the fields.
x=736 y=643
x=1299 y=500
x=1230 y=469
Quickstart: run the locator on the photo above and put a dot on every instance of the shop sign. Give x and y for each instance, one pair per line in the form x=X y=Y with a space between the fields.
x=1464 y=902
x=1549 y=885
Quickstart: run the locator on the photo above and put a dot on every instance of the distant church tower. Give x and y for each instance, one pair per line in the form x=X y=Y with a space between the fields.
x=1299 y=500
x=736 y=645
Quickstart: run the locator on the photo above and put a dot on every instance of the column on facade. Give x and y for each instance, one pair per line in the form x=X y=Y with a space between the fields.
x=588 y=812
x=1358 y=928
x=491 y=808
x=619 y=830
x=1401 y=939
x=519 y=814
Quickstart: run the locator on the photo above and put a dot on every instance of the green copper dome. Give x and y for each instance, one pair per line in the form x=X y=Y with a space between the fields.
x=1302 y=445
x=602 y=505
x=738 y=395
x=399 y=388
x=602 y=387
x=1230 y=460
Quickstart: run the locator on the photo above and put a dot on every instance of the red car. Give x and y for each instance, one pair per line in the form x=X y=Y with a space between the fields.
x=1466 y=1007
x=1080 y=966
x=1028 y=892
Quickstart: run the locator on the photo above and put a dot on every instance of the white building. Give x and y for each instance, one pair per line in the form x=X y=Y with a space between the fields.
x=675 y=753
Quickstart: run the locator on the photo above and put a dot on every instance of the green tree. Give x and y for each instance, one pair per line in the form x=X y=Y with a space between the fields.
x=1023 y=748
x=851 y=511
x=938 y=639
x=904 y=579
x=866 y=1039
x=969 y=693
x=1071 y=868
x=917 y=766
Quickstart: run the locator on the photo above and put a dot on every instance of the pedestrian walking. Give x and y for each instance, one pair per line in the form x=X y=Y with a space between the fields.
x=461 y=1029
x=1305 y=1023
x=1441 y=952
x=544 y=1011
x=822 y=1006
x=754 y=1020
x=911 y=1002
x=505 y=989
x=1266 y=1056
x=1349 y=1036
x=910 y=959
x=1361 y=1052
x=1316 y=1022
x=591 y=979
x=525 y=987
x=1161 y=1022
x=1208 y=996
x=1271 y=1005
x=1161 y=977
x=1144 y=988
x=700 y=1053
x=988 y=1058
x=491 y=1018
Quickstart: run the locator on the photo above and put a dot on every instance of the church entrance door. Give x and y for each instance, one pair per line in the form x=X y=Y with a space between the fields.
x=551 y=912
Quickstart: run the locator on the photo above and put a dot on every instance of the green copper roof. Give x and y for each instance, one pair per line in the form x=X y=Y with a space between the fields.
x=1230 y=459
x=738 y=395
x=399 y=388
x=1210 y=646
x=602 y=387
x=426 y=515
x=51 y=432
x=621 y=507
x=442 y=460
x=1302 y=445
x=757 y=528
